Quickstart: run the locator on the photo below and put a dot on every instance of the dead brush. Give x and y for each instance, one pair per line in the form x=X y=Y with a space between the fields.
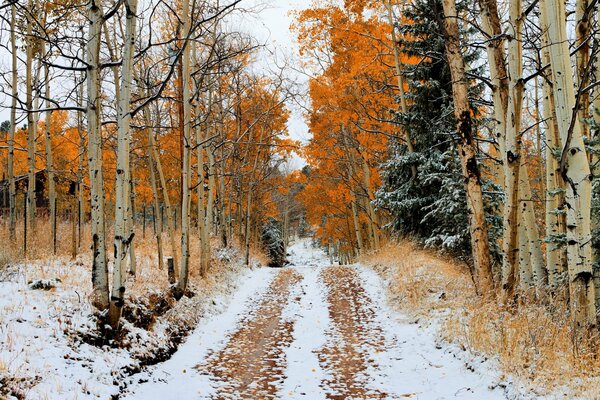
x=532 y=340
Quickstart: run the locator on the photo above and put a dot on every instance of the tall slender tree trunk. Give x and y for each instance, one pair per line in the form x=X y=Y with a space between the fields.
x=100 y=295
x=373 y=220
x=555 y=221
x=155 y=194
x=512 y=152
x=467 y=149
x=50 y=163
x=186 y=167
x=395 y=52
x=31 y=120
x=12 y=226
x=574 y=167
x=582 y=57
x=123 y=236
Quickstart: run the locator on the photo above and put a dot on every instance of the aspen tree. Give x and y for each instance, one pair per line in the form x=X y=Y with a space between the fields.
x=153 y=184
x=403 y=108
x=13 y=121
x=467 y=149
x=50 y=162
x=168 y=204
x=80 y=167
x=508 y=97
x=100 y=295
x=186 y=165
x=582 y=57
x=123 y=238
x=574 y=167
x=251 y=189
x=555 y=224
x=512 y=149
x=30 y=44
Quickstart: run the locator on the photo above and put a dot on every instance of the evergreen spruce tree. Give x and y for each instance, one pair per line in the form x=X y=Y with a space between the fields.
x=432 y=205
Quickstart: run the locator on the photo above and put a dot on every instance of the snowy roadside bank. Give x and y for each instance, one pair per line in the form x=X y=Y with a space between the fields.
x=524 y=354
x=46 y=349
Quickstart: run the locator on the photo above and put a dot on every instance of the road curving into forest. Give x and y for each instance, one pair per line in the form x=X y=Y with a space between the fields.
x=313 y=331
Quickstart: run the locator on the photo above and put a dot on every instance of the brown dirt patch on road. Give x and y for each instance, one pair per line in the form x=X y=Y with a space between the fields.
x=353 y=334
x=253 y=360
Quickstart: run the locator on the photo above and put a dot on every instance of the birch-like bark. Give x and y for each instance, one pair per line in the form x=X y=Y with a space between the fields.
x=555 y=222
x=251 y=188
x=512 y=152
x=123 y=235
x=575 y=168
x=373 y=220
x=582 y=58
x=403 y=108
x=100 y=295
x=80 y=167
x=171 y=224
x=533 y=243
x=154 y=186
x=31 y=120
x=50 y=162
x=12 y=226
x=186 y=165
x=467 y=149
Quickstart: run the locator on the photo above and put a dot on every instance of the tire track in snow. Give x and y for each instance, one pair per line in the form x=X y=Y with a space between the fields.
x=353 y=336
x=253 y=362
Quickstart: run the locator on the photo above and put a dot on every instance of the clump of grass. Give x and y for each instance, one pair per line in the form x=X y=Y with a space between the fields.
x=533 y=341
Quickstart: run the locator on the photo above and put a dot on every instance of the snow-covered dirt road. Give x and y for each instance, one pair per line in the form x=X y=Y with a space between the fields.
x=312 y=331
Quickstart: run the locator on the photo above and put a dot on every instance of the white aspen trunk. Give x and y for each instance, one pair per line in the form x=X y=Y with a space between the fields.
x=354 y=207
x=50 y=164
x=359 y=240
x=525 y=278
x=467 y=149
x=594 y=157
x=168 y=208
x=123 y=237
x=210 y=197
x=154 y=186
x=512 y=152
x=576 y=172
x=80 y=167
x=131 y=223
x=251 y=188
x=403 y=108
x=186 y=176
x=582 y=57
x=533 y=243
x=12 y=227
x=555 y=256
x=373 y=220
x=202 y=192
x=100 y=295
x=31 y=120
x=222 y=213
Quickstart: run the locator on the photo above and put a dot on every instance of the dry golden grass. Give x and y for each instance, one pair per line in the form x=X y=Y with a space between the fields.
x=75 y=272
x=533 y=341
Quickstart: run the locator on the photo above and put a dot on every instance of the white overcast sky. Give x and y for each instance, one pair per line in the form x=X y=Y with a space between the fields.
x=271 y=25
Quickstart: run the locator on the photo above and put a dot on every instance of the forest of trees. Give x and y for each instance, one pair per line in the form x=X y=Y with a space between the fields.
x=151 y=164
x=468 y=125
x=126 y=113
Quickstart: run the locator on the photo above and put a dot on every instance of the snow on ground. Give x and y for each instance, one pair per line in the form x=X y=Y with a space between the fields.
x=178 y=378
x=411 y=363
x=418 y=366
x=332 y=332
x=304 y=373
x=42 y=355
